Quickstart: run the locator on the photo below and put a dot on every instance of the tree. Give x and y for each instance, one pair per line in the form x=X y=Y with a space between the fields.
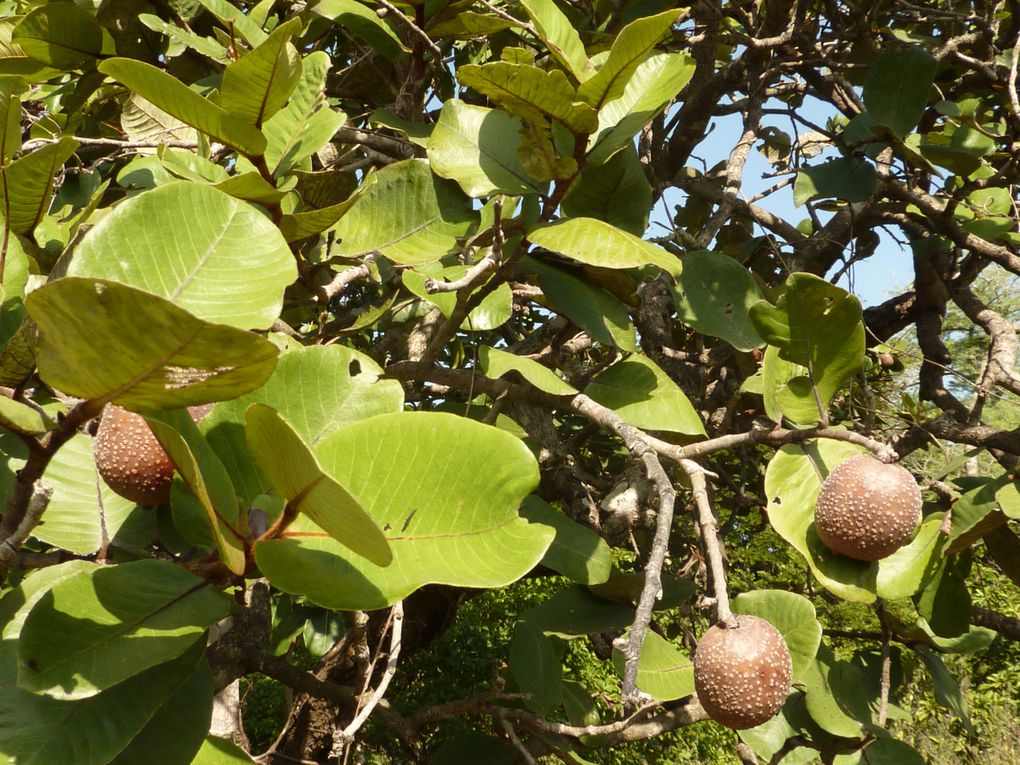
x=405 y=251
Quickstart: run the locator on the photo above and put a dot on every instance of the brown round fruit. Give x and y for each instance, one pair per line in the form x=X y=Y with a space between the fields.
x=742 y=674
x=130 y=459
x=867 y=509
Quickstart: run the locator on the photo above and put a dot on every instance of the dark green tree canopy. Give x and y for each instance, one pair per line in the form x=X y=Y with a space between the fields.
x=511 y=373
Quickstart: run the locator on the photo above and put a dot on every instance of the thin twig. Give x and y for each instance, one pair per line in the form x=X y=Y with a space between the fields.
x=511 y=734
x=10 y=546
x=709 y=526
x=489 y=263
x=883 y=703
x=652 y=589
x=397 y=615
x=1014 y=101
x=413 y=27
x=343 y=279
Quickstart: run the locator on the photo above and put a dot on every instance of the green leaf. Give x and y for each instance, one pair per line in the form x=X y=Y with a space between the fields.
x=495 y=363
x=793 y=615
x=219 y=751
x=84 y=511
x=40 y=730
x=208 y=481
x=32 y=177
x=61 y=35
x=178 y=729
x=494 y=310
x=556 y=31
x=645 y=396
x=535 y=666
x=947 y=692
x=302 y=225
x=664 y=672
x=901 y=574
x=630 y=47
x=89 y=347
x=295 y=475
x=835 y=697
x=445 y=491
x=598 y=243
x=882 y=751
x=1004 y=548
x=1008 y=497
x=258 y=85
x=593 y=309
x=467 y=24
x=104 y=625
x=898 y=86
x=714 y=295
x=616 y=192
x=228 y=247
x=365 y=23
x=574 y=612
x=530 y=93
x=318 y=390
x=477 y=147
x=818 y=326
x=143 y=121
x=848 y=178
x=203 y=45
x=178 y=100
x=16 y=604
x=234 y=18
x=306 y=124
x=21 y=418
x=974 y=513
x=653 y=85
x=577 y=552
x=11 y=89
x=945 y=600
x=471 y=747
x=792 y=480
x=407 y=214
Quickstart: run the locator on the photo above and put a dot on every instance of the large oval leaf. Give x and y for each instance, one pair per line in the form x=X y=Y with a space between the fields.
x=477 y=147
x=598 y=243
x=208 y=252
x=39 y=730
x=84 y=511
x=793 y=615
x=177 y=99
x=645 y=396
x=445 y=491
x=664 y=671
x=105 y=624
x=318 y=390
x=295 y=475
x=104 y=340
x=792 y=481
x=407 y=214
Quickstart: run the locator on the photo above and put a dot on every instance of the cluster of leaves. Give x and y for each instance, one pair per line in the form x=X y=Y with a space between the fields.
x=402 y=248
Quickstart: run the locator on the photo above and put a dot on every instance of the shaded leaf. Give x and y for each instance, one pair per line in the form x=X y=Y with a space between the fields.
x=32 y=177
x=848 y=178
x=714 y=295
x=535 y=666
x=577 y=552
x=88 y=348
x=645 y=396
x=103 y=625
x=61 y=35
x=616 y=192
x=898 y=86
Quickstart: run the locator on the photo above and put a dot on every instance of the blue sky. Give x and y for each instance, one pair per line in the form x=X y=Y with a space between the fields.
x=884 y=274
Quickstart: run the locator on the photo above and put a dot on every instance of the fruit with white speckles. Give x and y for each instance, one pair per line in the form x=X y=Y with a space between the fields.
x=130 y=459
x=867 y=509
x=742 y=674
